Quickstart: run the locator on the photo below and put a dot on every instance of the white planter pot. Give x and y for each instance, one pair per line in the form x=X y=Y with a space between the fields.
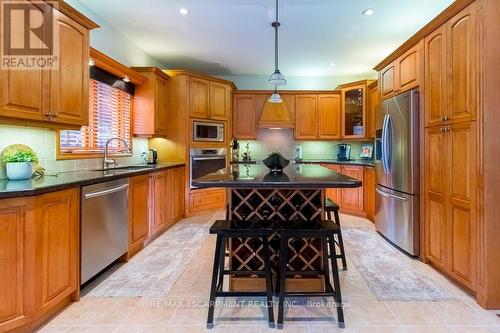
x=19 y=170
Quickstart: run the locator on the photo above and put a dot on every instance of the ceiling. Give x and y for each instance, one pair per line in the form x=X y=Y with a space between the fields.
x=234 y=37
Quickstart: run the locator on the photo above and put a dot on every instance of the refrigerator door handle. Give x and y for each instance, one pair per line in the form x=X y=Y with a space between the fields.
x=388 y=195
x=389 y=144
x=384 y=143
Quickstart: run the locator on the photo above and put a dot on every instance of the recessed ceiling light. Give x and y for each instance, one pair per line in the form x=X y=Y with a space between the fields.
x=183 y=11
x=332 y=63
x=126 y=79
x=368 y=12
x=91 y=62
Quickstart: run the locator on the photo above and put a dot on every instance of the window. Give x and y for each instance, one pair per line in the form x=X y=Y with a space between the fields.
x=109 y=117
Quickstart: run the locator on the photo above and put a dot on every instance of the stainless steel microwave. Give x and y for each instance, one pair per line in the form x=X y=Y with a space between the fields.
x=208 y=132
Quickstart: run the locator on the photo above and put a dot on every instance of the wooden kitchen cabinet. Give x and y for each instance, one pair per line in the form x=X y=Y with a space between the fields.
x=39 y=260
x=199 y=98
x=373 y=107
x=403 y=74
x=449 y=200
x=150 y=104
x=220 y=101
x=206 y=199
x=317 y=116
x=353 y=110
x=52 y=98
x=244 y=117
x=177 y=184
x=350 y=200
x=138 y=213
x=160 y=199
x=14 y=263
x=369 y=192
x=57 y=250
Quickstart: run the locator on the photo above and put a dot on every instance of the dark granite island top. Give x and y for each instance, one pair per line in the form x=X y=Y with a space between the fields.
x=255 y=176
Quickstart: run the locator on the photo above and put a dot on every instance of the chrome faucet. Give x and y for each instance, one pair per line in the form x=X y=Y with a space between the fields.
x=106 y=162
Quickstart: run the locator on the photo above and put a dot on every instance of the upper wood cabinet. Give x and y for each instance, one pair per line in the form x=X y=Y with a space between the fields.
x=317 y=116
x=373 y=107
x=353 y=110
x=450 y=75
x=150 y=103
x=53 y=98
x=403 y=74
x=244 y=117
x=208 y=99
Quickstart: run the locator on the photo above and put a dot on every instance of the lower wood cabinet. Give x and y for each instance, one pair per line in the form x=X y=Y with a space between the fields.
x=369 y=192
x=39 y=263
x=138 y=206
x=350 y=199
x=206 y=199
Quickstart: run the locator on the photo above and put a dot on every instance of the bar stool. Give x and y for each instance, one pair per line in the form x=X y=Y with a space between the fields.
x=331 y=206
x=310 y=229
x=226 y=229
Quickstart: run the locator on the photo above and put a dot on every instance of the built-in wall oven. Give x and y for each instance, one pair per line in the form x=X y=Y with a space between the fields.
x=208 y=131
x=204 y=161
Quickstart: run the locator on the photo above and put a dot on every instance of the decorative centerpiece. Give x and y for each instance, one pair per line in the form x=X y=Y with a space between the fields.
x=276 y=162
x=18 y=161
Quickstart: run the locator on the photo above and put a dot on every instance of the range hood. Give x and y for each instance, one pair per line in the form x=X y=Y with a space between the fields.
x=276 y=115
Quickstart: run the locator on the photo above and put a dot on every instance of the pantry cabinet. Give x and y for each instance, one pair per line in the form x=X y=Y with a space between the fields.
x=317 y=116
x=151 y=116
x=56 y=98
x=403 y=74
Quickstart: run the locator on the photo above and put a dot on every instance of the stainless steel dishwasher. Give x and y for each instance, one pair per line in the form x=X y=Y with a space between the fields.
x=104 y=225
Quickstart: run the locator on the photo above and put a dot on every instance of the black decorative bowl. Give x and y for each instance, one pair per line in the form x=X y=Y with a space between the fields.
x=275 y=162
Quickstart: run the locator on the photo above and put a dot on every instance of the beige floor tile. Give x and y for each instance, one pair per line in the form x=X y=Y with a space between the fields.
x=91 y=329
x=153 y=311
x=460 y=314
x=476 y=330
x=110 y=311
x=53 y=329
x=241 y=314
x=364 y=312
x=411 y=313
x=195 y=316
x=76 y=310
x=286 y=329
x=234 y=329
x=402 y=329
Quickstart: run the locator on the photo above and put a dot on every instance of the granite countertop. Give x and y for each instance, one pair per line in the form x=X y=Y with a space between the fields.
x=64 y=180
x=367 y=162
x=307 y=176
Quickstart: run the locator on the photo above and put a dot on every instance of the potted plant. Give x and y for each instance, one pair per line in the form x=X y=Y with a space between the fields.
x=19 y=164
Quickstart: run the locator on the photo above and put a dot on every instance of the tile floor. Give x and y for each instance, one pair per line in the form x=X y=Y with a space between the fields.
x=183 y=309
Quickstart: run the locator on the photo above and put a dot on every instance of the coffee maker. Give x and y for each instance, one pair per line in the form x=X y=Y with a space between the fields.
x=344 y=152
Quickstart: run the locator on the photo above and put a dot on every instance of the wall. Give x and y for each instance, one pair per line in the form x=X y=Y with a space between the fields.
x=259 y=82
x=282 y=141
x=43 y=141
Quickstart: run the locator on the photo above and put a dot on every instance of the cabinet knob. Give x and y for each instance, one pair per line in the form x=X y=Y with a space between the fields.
x=47 y=114
x=55 y=115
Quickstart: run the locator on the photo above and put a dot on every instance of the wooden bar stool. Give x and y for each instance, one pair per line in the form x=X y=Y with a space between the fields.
x=226 y=229
x=331 y=206
x=310 y=229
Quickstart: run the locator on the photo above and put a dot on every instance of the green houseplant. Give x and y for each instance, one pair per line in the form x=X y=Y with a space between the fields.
x=19 y=163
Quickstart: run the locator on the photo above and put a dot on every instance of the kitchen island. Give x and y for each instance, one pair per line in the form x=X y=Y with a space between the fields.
x=296 y=194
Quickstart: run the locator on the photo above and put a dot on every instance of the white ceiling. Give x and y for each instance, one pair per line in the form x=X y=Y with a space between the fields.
x=234 y=37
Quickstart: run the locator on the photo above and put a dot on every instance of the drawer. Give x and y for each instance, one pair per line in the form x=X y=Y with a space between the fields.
x=200 y=200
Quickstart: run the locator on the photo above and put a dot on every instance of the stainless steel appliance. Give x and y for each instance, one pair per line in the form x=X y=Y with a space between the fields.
x=397 y=171
x=343 y=152
x=208 y=132
x=104 y=225
x=204 y=161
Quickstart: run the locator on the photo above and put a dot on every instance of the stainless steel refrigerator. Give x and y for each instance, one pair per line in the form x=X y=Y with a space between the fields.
x=397 y=171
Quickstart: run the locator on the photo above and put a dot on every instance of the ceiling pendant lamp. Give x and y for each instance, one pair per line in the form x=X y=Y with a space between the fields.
x=276 y=79
x=275 y=97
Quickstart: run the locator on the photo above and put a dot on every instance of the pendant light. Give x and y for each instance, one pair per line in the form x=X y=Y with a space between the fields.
x=276 y=79
x=275 y=97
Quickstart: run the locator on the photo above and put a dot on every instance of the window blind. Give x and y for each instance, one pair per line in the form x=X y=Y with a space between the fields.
x=109 y=117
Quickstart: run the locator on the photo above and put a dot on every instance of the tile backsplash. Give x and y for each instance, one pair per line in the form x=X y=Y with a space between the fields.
x=43 y=142
x=283 y=141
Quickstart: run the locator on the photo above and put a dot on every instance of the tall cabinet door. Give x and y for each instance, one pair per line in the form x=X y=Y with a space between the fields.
x=69 y=96
x=329 y=116
x=435 y=102
x=409 y=69
x=462 y=233
x=387 y=81
x=138 y=214
x=244 y=117
x=57 y=248
x=160 y=113
x=462 y=68
x=306 y=117
x=352 y=198
x=435 y=195
x=159 y=202
x=13 y=217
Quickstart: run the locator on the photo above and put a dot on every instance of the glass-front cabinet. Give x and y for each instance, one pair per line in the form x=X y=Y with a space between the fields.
x=354 y=120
